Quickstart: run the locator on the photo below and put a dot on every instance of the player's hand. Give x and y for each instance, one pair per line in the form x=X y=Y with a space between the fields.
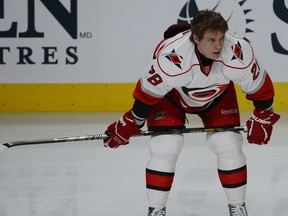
x=120 y=131
x=260 y=126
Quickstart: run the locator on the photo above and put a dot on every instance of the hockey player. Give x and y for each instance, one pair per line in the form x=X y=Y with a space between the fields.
x=193 y=70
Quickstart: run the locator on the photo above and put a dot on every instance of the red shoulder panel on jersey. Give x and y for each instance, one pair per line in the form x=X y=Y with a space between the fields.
x=142 y=96
x=266 y=92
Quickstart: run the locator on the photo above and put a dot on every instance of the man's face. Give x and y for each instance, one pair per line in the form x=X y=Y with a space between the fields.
x=211 y=44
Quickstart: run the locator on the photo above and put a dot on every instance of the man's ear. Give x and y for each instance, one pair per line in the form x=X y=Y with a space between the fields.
x=195 y=39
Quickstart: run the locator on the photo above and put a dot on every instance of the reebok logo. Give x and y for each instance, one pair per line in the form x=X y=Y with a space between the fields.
x=229 y=111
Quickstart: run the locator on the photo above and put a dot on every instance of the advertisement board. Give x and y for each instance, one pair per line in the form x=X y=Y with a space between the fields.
x=53 y=51
x=63 y=41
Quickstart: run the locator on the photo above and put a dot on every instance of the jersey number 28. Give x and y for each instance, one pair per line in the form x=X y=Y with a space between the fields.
x=155 y=79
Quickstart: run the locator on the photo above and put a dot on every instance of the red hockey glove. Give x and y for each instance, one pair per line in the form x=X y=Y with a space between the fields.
x=120 y=131
x=260 y=126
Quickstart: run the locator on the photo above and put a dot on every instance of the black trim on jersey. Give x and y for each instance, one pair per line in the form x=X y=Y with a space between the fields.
x=205 y=63
x=165 y=128
x=263 y=105
x=141 y=109
x=176 y=29
x=203 y=60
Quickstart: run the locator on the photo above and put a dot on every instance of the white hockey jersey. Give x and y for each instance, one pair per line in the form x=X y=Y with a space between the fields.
x=176 y=69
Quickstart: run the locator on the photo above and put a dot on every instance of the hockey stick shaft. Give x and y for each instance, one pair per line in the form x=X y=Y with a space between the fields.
x=104 y=136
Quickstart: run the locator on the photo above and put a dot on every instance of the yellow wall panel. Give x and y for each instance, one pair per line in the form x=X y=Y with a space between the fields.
x=65 y=97
x=98 y=97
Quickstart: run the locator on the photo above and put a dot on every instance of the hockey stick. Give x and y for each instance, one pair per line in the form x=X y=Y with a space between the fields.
x=4 y=146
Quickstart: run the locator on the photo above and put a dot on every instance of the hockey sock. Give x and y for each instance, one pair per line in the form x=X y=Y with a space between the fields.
x=158 y=186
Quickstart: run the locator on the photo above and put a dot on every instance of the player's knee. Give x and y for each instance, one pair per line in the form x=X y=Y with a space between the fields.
x=226 y=144
x=164 y=151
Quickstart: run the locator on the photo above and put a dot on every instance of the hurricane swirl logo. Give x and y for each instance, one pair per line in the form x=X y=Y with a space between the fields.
x=160 y=115
x=237 y=13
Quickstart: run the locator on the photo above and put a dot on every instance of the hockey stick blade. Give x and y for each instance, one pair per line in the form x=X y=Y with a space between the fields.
x=7 y=145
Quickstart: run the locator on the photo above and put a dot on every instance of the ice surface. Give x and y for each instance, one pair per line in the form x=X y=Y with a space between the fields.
x=86 y=179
